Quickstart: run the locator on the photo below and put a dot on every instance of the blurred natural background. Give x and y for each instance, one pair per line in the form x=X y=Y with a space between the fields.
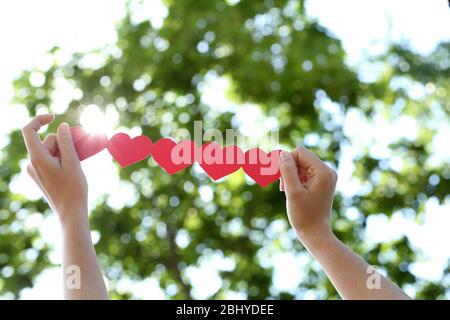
x=364 y=84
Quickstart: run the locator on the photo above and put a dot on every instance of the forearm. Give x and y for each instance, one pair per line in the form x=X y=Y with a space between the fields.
x=81 y=273
x=349 y=274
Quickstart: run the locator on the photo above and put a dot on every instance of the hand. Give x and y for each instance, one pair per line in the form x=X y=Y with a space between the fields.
x=56 y=170
x=309 y=186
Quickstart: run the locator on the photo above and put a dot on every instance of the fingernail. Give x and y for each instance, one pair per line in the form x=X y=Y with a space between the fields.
x=64 y=127
x=284 y=155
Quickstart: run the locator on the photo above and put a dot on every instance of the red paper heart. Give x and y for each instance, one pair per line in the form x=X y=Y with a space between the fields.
x=87 y=144
x=262 y=167
x=219 y=162
x=127 y=151
x=174 y=157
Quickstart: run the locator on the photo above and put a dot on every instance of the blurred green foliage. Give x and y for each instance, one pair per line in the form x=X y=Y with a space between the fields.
x=279 y=58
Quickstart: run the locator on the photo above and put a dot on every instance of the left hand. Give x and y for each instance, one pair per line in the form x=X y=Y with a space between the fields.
x=56 y=169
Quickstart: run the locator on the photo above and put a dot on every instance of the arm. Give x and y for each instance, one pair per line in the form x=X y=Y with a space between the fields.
x=309 y=186
x=56 y=170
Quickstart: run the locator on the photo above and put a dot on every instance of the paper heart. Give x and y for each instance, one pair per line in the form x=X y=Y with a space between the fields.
x=219 y=162
x=127 y=151
x=263 y=168
x=172 y=156
x=86 y=143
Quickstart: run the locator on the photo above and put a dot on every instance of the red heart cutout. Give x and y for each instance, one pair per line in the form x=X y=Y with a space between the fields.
x=172 y=156
x=127 y=151
x=262 y=167
x=86 y=143
x=219 y=162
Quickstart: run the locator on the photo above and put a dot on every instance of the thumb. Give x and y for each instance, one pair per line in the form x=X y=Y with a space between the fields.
x=66 y=146
x=289 y=173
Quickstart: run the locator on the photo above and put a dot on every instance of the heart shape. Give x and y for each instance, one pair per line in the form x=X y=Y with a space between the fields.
x=87 y=143
x=127 y=151
x=263 y=168
x=172 y=156
x=219 y=162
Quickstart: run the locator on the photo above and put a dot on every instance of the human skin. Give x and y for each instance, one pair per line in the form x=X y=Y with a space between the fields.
x=55 y=168
x=309 y=185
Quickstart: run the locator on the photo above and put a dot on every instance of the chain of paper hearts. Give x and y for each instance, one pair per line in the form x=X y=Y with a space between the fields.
x=127 y=151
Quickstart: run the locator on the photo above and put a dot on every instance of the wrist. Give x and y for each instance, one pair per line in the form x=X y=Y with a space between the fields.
x=73 y=218
x=76 y=232
x=314 y=236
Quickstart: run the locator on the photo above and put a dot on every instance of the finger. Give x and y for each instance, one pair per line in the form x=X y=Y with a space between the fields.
x=281 y=184
x=50 y=144
x=31 y=136
x=312 y=169
x=289 y=173
x=33 y=174
x=66 y=147
x=306 y=159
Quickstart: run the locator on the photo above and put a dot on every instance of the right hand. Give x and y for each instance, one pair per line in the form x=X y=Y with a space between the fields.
x=309 y=185
x=56 y=169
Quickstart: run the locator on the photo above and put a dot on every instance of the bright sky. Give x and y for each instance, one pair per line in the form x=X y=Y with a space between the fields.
x=29 y=28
